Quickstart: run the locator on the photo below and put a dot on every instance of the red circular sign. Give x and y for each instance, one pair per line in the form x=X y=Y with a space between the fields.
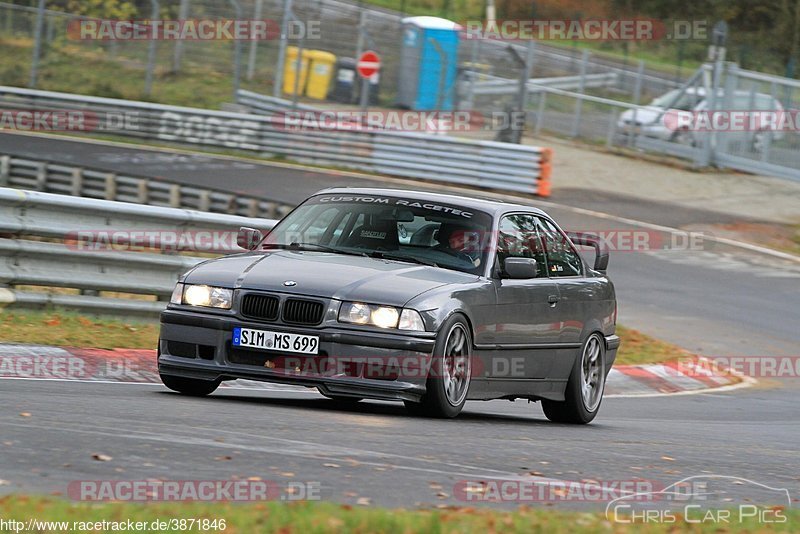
x=368 y=64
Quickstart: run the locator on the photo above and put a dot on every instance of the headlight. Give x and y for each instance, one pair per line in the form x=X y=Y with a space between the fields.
x=207 y=296
x=380 y=316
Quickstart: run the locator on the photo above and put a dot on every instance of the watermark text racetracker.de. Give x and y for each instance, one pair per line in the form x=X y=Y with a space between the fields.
x=190 y=30
x=211 y=240
x=65 y=120
x=251 y=489
x=750 y=366
x=633 y=29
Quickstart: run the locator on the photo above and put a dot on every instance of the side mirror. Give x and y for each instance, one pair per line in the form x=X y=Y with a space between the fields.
x=249 y=238
x=520 y=268
x=600 y=248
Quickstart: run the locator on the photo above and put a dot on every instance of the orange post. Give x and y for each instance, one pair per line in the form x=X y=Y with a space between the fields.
x=545 y=170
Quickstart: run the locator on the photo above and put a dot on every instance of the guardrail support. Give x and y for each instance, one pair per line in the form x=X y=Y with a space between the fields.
x=5 y=170
x=253 y=208
x=204 y=202
x=41 y=176
x=77 y=182
x=111 y=186
x=143 y=191
x=175 y=196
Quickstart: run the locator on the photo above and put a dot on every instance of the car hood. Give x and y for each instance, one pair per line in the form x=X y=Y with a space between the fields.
x=323 y=274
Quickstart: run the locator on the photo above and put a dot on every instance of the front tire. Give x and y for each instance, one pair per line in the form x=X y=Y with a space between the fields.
x=449 y=378
x=585 y=387
x=190 y=386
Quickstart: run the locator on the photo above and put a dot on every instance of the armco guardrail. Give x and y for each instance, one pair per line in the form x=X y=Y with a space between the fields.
x=50 y=177
x=52 y=241
x=268 y=105
x=487 y=164
x=492 y=85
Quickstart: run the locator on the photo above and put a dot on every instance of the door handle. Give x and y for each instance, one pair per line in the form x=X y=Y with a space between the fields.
x=552 y=300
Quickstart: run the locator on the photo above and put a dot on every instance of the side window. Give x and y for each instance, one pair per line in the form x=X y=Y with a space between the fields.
x=562 y=258
x=519 y=238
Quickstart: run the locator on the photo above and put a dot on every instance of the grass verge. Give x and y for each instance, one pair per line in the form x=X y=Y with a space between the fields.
x=69 y=329
x=321 y=517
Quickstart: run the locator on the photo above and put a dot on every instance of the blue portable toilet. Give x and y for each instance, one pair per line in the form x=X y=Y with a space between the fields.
x=428 y=64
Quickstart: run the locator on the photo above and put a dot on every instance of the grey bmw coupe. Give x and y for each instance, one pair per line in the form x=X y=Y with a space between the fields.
x=424 y=298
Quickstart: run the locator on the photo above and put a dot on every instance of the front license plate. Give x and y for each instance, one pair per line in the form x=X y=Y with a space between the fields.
x=280 y=341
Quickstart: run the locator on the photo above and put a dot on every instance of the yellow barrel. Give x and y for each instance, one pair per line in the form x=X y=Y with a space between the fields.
x=289 y=70
x=320 y=73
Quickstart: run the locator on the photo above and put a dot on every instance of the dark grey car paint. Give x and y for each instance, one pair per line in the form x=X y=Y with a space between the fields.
x=540 y=322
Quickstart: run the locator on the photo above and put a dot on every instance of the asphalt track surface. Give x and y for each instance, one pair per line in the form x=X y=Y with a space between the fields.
x=718 y=300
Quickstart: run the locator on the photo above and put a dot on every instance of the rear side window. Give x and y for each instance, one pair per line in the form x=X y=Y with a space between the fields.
x=562 y=258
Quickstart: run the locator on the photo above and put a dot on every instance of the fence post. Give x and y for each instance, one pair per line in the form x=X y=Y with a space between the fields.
x=151 y=51
x=5 y=170
x=277 y=90
x=362 y=26
x=768 y=136
x=576 y=125
x=251 y=60
x=183 y=13
x=540 y=112
x=612 y=127
x=237 y=52
x=637 y=96
x=37 y=47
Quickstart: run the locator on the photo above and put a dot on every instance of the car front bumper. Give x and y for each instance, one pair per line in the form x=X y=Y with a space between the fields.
x=357 y=363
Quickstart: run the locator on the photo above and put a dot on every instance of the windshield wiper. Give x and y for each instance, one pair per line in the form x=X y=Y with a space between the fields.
x=401 y=257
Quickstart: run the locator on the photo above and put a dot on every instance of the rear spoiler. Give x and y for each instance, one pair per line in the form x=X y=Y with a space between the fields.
x=600 y=248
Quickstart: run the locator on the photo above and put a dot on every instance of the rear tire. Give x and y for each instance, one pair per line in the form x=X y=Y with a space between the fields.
x=190 y=386
x=449 y=378
x=585 y=387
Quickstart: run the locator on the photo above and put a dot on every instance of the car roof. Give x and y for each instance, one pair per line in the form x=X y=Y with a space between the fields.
x=489 y=205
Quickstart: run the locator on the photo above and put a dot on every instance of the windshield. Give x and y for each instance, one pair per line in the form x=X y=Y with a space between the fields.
x=687 y=102
x=393 y=228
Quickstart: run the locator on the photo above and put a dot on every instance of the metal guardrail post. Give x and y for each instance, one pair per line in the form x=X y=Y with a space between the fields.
x=175 y=196
x=5 y=170
x=143 y=191
x=41 y=176
x=76 y=186
x=111 y=186
x=204 y=202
